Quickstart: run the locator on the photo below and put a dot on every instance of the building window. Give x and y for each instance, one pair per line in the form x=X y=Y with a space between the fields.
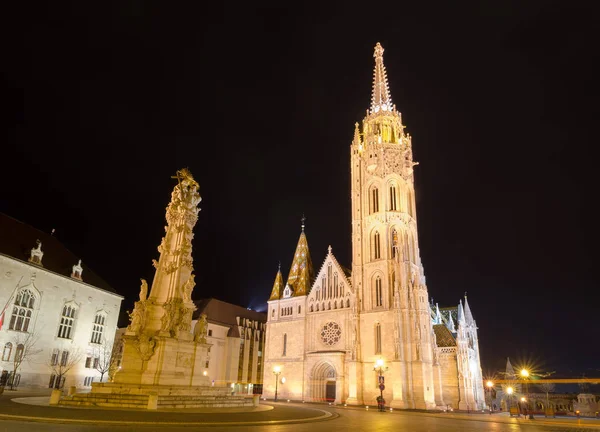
x=376 y=246
x=299 y=309
x=54 y=358
x=374 y=200
x=241 y=356
x=64 y=358
x=88 y=381
x=88 y=362
x=66 y=322
x=393 y=198
x=52 y=379
x=22 y=311
x=378 y=292
x=96 y=362
x=98 y=328
x=378 y=338
x=284 y=344
x=206 y=364
x=19 y=352
x=7 y=351
x=273 y=313
x=210 y=332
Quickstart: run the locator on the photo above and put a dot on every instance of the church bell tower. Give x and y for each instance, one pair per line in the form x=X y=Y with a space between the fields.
x=386 y=266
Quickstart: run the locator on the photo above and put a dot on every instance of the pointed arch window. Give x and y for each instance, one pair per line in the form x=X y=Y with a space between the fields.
x=374 y=198
x=336 y=289
x=393 y=198
x=377 y=338
x=284 y=345
x=7 y=351
x=329 y=290
x=324 y=288
x=378 y=292
x=22 y=311
x=376 y=245
x=67 y=320
x=411 y=208
x=98 y=328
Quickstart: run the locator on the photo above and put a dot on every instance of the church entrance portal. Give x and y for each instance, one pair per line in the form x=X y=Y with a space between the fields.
x=330 y=391
x=323 y=383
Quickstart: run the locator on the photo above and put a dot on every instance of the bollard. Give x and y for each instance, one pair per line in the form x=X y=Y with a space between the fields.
x=255 y=400
x=55 y=396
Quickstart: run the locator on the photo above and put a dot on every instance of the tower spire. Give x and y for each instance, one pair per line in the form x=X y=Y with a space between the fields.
x=278 y=285
x=380 y=99
x=301 y=273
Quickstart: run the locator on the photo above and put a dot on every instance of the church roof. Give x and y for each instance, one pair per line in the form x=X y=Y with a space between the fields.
x=226 y=314
x=443 y=337
x=301 y=273
x=17 y=239
x=277 y=286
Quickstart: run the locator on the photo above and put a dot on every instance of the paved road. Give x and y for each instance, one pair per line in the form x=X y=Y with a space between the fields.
x=356 y=420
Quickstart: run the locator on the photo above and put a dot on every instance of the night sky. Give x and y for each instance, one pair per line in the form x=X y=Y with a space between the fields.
x=102 y=106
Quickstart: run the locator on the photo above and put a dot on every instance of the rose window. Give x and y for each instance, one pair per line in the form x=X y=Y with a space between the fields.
x=330 y=333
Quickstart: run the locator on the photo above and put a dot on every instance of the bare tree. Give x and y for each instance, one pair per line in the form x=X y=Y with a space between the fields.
x=547 y=388
x=104 y=361
x=61 y=362
x=25 y=350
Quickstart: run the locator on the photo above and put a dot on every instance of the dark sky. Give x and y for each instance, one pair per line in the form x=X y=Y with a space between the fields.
x=103 y=105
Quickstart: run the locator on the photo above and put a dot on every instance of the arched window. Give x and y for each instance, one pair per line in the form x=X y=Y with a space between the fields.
x=284 y=344
x=374 y=207
x=376 y=246
x=22 y=311
x=378 y=338
x=19 y=353
x=335 y=285
x=299 y=309
x=406 y=249
x=348 y=303
x=329 y=291
x=66 y=322
x=311 y=308
x=98 y=328
x=7 y=351
x=393 y=198
x=273 y=313
x=324 y=288
x=409 y=198
x=378 y=292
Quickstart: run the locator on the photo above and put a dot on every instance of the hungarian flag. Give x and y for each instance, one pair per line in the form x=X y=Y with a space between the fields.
x=2 y=319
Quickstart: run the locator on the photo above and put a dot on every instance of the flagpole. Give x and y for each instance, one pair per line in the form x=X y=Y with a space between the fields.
x=11 y=296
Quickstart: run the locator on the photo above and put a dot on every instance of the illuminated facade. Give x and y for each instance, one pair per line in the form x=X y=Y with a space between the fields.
x=327 y=332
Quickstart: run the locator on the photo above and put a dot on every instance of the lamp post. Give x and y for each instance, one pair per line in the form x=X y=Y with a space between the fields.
x=525 y=375
x=489 y=385
x=380 y=368
x=276 y=372
x=523 y=403
x=509 y=391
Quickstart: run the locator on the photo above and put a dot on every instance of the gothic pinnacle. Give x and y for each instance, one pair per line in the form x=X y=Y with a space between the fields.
x=381 y=99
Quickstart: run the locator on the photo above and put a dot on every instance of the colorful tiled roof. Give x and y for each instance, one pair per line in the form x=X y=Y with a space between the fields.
x=443 y=337
x=301 y=273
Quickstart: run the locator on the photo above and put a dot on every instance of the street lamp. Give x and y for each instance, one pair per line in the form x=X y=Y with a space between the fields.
x=276 y=372
x=509 y=390
x=489 y=385
x=380 y=367
x=525 y=376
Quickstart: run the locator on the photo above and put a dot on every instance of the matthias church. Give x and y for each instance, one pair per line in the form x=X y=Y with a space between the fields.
x=329 y=328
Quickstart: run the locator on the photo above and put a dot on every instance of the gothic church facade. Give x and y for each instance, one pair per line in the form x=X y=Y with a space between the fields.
x=327 y=331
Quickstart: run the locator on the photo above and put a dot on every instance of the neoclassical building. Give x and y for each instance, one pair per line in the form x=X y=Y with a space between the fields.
x=49 y=296
x=326 y=331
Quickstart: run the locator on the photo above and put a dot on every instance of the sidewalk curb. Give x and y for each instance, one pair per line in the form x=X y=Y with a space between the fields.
x=325 y=416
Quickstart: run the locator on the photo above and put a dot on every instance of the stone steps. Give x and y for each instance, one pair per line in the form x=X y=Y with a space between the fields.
x=164 y=401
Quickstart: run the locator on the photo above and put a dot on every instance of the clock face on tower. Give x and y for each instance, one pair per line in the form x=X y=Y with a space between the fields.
x=331 y=333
